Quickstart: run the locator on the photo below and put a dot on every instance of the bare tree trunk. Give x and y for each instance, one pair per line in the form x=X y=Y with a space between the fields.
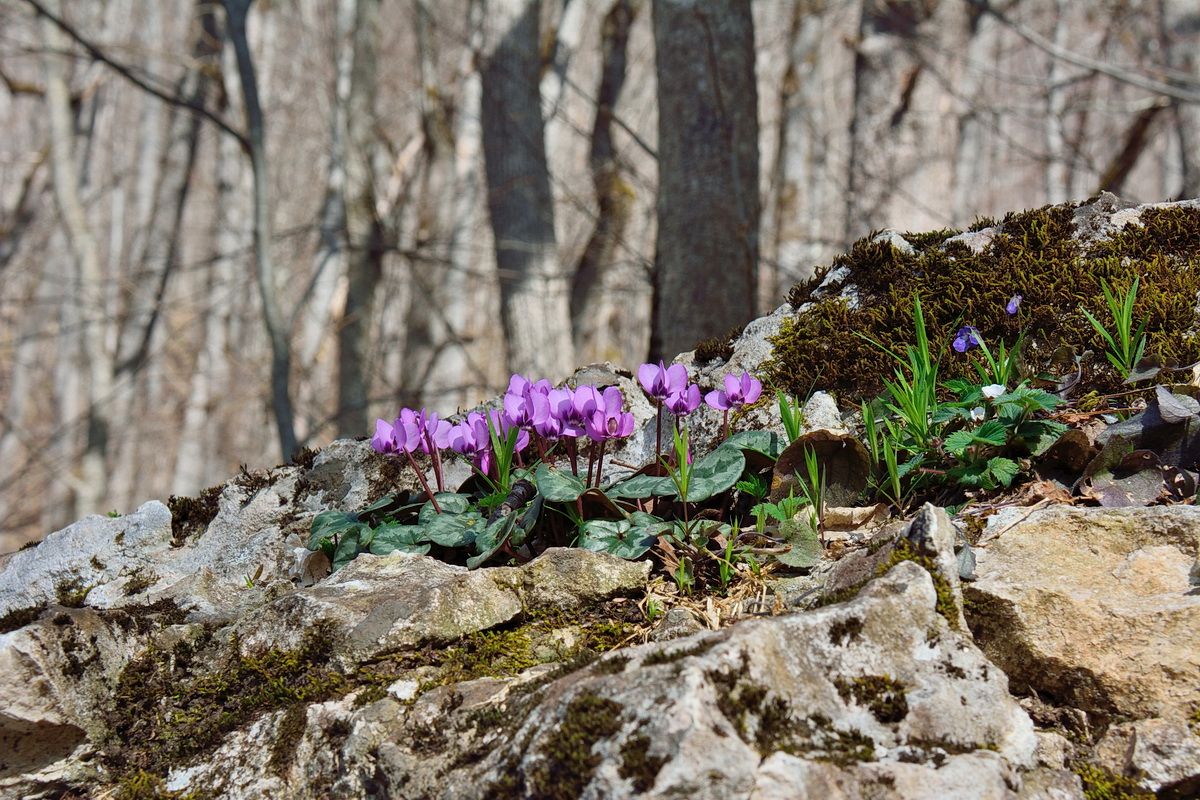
x=614 y=194
x=534 y=288
x=708 y=200
x=236 y=12
x=1058 y=165
x=88 y=274
x=364 y=231
x=1181 y=35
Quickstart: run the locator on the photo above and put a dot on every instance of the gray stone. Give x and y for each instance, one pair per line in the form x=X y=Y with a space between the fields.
x=1164 y=755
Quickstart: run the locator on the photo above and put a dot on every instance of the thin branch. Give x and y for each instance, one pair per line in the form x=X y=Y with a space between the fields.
x=1117 y=73
x=128 y=74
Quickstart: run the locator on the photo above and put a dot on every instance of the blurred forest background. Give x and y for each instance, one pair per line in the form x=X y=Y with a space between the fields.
x=229 y=229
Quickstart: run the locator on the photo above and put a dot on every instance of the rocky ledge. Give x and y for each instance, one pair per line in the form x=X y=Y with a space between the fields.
x=198 y=649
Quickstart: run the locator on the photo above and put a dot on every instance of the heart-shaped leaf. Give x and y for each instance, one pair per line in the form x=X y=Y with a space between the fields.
x=394 y=537
x=492 y=538
x=328 y=525
x=617 y=537
x=765 y=443
x=641 y=487
x=448 y=502
x=558 y=486
x=805 y=543
x=453 y=530
x=715 y=473
x=347 y=547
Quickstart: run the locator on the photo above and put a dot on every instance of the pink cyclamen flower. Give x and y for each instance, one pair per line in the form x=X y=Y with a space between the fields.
x=683 y=402
x=519 y=405
x=572 y=408
x=399 y=437
x=737 y=392
x=610 y=420
x=660 y=381
x=433 y=432
x=465 y=439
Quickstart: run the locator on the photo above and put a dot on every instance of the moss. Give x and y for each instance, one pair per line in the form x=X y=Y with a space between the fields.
x=946 y=605
x=611 y=665
x=190 y=516
x=19 y=618
x=770 y=724
x=166 y=709
x=287 y=738
x=716 y=347
x=637 y=765
x=1100 y=784
x=568 y=760
x=143 y=785
x=1194 y=721
x=305 y=456
x=30 y=544
x=140 y=581
x=1035 y=253
x=845 y=631
x=72 y=593
x=881 y=694
x=670 y=656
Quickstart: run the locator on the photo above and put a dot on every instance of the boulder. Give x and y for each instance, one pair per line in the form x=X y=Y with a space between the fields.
x=1092 y=608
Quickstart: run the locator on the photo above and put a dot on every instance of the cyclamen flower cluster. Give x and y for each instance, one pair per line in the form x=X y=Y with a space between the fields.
x=528 y=407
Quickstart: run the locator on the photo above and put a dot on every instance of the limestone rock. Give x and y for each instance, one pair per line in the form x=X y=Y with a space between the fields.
x=1164 y=755
x=1090 y=606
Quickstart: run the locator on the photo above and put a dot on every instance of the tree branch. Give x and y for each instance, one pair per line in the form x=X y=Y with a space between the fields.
x=128 y=74
x=1117 y=73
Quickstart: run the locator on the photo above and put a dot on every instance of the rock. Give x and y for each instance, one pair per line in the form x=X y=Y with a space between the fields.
x=1090 y=607
x=929 y=539
x=678 y=623
x=1163 y=755
x=378 y=604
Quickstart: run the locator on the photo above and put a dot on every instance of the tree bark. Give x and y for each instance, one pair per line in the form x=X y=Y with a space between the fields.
x=708 y=202
x=236 y=12
x=1180 y=21
x=88 y=276
x=534 y=287
x=613 y=191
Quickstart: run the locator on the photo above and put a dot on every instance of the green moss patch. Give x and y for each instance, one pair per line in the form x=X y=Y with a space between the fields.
x=881 y=694
x=637 y=765
x=1100 y=784
x=190 y=516
x=568 y=761
x=1034 y=254
x=19 y=618
x=166 y=709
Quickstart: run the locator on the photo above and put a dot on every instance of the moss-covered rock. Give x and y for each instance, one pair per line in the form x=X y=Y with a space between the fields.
x=1056 y=257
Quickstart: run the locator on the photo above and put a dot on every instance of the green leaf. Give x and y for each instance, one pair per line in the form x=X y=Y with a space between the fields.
x=449 y=502
x=958 y=442
x=394 y=537
x=558 y=486
x=1003 y=470
x=715 y=473
x=347 y=548
x=1040 y=435
x=765 y=442
x=640 y=487
x=453 y=530
x=492 y=539
x=806 y=548
x=617 y=537
x=991 y=432
x=969 y=474
x=329 y=524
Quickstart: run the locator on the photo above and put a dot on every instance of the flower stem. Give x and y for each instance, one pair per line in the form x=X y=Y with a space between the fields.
x=725 y=426
x=600 y=465
x=424 y=483
x=658 y=433
x=573 y=449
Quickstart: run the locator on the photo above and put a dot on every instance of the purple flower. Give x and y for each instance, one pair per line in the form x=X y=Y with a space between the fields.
x=545 y=422
x=432 y=432
x=465 y=438
x=610 y=420
x=519 y=404
x=660 y=381
x=503 y=426
x=737 y=392
x=399 y=437
x=571 y=409
x=683 y=402
x=1014 y=304
x=967 y=338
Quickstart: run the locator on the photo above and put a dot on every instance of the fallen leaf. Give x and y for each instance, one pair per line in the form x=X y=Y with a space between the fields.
x=843 y=459
x=848 y=518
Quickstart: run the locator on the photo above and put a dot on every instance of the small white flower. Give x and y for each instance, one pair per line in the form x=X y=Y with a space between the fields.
x=977 y=414
x=994 y=390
